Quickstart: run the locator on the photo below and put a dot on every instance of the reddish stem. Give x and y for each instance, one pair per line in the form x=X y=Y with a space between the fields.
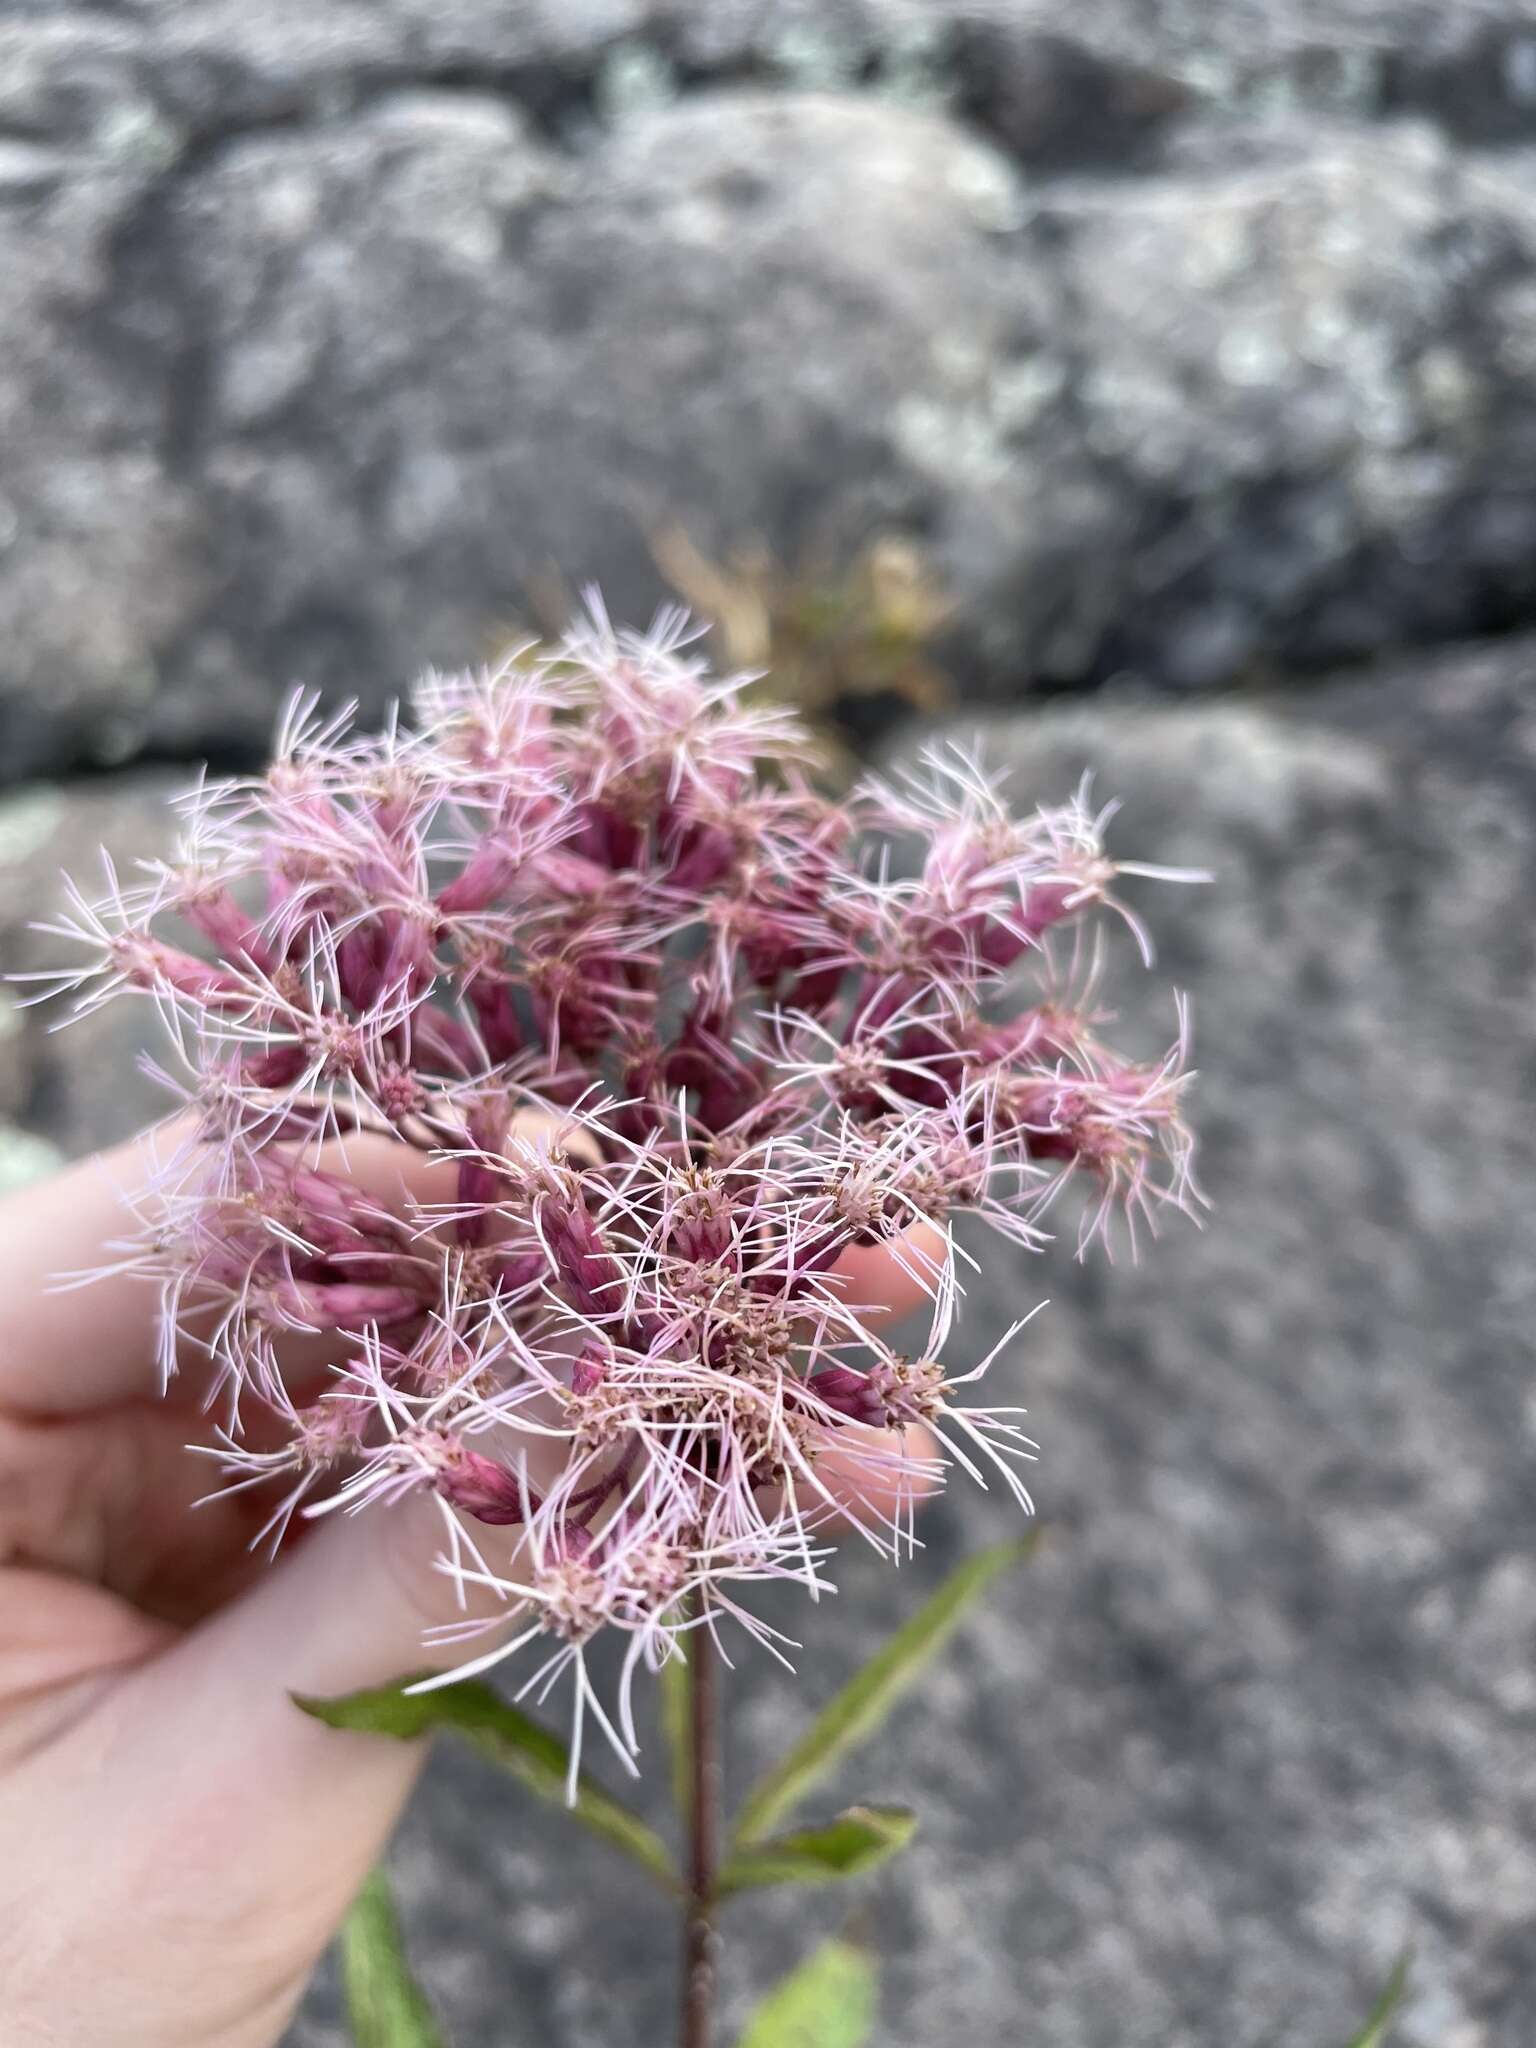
x=701 y=1943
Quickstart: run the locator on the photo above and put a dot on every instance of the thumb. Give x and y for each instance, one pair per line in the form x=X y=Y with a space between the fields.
x=300 y=1811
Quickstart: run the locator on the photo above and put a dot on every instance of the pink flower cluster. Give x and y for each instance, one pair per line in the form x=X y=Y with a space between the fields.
x=668 y=1033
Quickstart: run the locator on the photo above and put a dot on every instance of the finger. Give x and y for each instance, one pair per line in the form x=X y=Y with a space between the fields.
x=239 y=1827
x=107 y=1499
x=875 y=1478
x=309 y=1807
x=891 y=1280
x=55 y=1633
x=66 y=1348
x=65 y=1351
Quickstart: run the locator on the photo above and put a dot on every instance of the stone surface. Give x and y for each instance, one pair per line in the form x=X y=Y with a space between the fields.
x=1188 y=345
x=66 y=1091
x=1472 y=67
x=404 y=365
x=439 y=363
x=1261 y=1712
x=215 y=63
x=1279 y=416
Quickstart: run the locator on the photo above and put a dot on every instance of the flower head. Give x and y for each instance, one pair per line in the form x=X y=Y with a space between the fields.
x=593 y=883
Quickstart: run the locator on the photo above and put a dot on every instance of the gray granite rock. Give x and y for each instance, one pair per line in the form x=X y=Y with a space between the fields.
x=1262 y=1710
x=405 y=363
x=438 y=362
x=214 y=64
x=64 y=1091
x=331 y=338
x=1153 y=64
x=1279 y=415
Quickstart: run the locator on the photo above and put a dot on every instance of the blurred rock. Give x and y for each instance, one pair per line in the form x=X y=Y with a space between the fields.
x=410 y=363
x=440 y=364
x=1280 y=415
x=1471 y=67
x=214 y=64
x=65 y=1091
x=1260 y=1714
x=332 y=341
x=97 y=538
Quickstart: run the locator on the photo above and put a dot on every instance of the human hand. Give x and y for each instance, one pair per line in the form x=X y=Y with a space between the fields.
x=177 y=1842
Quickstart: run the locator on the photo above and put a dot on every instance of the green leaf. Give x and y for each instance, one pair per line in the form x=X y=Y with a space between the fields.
x=868 y=1697
x=534 y=1756
x=385 y=2006
x=858 y=1840
x=677 y=1726
x=1374 y=2033
x=829 y=2002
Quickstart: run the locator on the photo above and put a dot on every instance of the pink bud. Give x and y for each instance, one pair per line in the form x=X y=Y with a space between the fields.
x=704 y=856
x=849 y=1393
x=592 y=1279
x=589 y=1369
x=496 y=1014
x=345 y=1304
x=488 y=873
x=276 y=1068
x=217 y=915
x=481 y=1488
x=442 y=1043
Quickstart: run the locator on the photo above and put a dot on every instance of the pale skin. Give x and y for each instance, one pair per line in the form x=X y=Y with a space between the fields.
x=178 y=1843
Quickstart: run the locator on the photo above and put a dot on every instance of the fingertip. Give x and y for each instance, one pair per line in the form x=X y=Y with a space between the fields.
x=881 y=1473
x=356 y=1605
x=66 y=1345
x=401 y=1175
x=895 y=1278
